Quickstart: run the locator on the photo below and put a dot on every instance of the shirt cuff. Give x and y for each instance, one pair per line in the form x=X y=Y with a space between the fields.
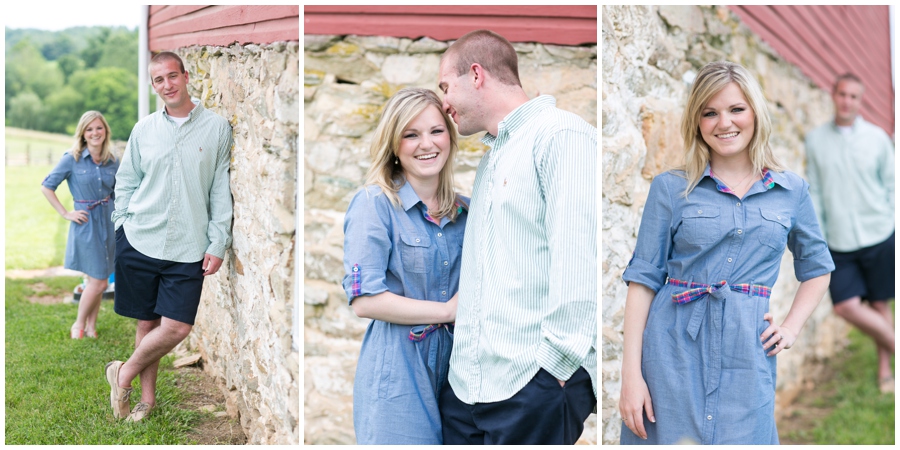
x=640 y=271
x=555 y=362
x=816 y=266
x=363 y=282
x=217 y=250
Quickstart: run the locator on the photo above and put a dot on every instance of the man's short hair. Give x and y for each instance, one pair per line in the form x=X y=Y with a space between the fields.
x=849 y=76
x=162 y=57
x=491 y=51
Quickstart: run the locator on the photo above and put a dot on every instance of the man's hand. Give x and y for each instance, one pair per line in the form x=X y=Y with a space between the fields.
x=211 y=264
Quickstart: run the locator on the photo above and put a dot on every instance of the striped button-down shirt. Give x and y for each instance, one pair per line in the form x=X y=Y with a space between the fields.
x=172 y=190
x=528 y=287
x=851 y=182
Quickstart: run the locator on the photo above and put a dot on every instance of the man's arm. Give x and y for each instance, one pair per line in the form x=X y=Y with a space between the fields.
x=220 y=209
x=815 y=193
x=886 y=169
x=128 y=178
x=568 y=171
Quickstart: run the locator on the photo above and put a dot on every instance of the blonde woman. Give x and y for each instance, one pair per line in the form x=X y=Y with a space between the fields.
x=402 y=246
x=90 y=168
x=700 y=343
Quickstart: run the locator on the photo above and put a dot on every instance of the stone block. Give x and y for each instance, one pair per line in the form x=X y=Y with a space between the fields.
x=688 y=19
x=660 y=128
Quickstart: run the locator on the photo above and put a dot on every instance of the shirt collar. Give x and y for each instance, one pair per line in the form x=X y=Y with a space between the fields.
x=858 y=120
x=770 y=179
x=408 y=196
x=85 y=153
x=520 y=116
x=197 y=108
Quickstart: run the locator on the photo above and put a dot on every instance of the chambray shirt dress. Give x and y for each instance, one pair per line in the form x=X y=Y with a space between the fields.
x=91 y=246
x=709 y=378
x=401 y=250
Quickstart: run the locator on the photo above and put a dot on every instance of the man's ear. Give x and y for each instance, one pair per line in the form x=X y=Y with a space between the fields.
x=477 y=73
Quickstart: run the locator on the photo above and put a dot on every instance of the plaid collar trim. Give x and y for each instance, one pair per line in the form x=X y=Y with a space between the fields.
x=767 y=179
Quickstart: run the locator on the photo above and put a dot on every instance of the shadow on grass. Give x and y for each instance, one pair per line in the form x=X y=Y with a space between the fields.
x=56 y=392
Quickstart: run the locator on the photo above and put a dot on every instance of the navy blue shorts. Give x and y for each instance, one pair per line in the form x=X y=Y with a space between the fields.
x=867 y=273
x=541 y=413
x=149 y=288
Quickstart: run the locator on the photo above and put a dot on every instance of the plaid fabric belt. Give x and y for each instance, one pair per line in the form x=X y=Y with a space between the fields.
x=94 y=203
x=698 y=290
x=419 y=333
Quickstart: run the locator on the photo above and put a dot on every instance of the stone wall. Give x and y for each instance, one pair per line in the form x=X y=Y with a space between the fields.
x=649 y=55
x=347 y=80
x=243 y=328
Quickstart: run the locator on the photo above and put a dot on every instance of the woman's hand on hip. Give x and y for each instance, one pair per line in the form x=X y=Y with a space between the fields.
x=779 y=338
x=79 y=217
x=633 y=401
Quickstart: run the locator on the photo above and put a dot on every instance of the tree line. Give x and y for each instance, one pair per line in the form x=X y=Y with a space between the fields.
x=52 y=77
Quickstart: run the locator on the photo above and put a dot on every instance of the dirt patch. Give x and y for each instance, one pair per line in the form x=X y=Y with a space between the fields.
x=808 y=408
x=47 y=299
x=202 y=394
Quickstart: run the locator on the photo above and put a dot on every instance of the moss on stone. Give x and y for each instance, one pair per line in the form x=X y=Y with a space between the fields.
x=342 y=49
x=367 y=112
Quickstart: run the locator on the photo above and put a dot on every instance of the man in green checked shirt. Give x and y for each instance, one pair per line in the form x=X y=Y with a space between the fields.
x=173 y=225
x=523 y=368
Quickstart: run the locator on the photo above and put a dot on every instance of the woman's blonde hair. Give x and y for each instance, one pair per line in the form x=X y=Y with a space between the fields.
x=399 y=111
x=106 y=153
x=712 y=78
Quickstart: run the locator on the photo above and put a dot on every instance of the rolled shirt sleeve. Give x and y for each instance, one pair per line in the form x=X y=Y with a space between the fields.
x=805 y=241
x=568 y=174
x=220 y=205
x=367 y=244
x=654 y=241
x=59 y=173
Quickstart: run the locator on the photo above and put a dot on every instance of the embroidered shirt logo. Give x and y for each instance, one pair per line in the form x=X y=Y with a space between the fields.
x=201 y=149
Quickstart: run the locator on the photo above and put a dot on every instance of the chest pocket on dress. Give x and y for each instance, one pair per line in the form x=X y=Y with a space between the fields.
x=774 y=230
x=700 y=224
x=415 y=252
x=83 y=175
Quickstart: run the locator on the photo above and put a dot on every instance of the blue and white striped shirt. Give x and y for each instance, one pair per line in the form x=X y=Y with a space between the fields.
x=528 y=287
x=172 y=189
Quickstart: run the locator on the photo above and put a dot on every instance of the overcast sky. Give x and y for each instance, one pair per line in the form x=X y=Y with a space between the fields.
x=55 y=16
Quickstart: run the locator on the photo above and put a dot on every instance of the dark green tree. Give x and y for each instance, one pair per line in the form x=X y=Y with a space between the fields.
x=69 y=64
x=27 y=70
x=62 y=109
x=25 y=111
x=95 y=46
x=113 y=92
x=120 y=50
x=61 y=45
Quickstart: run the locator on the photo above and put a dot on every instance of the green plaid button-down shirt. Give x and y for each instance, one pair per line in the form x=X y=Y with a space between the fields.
x=172 y=189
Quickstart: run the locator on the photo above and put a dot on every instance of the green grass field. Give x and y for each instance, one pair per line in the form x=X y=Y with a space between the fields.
x=56 y=392
x=860 y=414
x=35 y=233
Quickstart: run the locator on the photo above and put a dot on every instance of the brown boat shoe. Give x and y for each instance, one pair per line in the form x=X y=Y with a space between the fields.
x=119 y=397
x=140 y=412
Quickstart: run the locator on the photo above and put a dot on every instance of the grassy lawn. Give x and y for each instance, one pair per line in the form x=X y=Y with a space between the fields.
x=56 y=392
x=860 y=414
x=35 y=232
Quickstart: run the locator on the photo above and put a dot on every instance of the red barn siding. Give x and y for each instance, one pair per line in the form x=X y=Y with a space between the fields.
x=827 y=41
x=170 y=27
x=561 y=25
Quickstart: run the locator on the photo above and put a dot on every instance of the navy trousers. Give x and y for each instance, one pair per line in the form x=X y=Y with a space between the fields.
x=543 y=412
